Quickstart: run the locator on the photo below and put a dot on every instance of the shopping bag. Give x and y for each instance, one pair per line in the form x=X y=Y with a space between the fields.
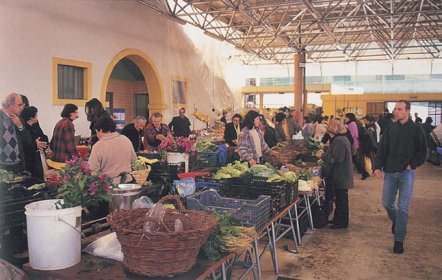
x=368 y=166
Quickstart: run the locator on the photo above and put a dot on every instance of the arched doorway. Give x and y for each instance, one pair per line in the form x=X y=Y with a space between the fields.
x=135 y=78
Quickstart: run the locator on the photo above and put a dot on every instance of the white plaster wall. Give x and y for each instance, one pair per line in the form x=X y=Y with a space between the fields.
x=33 y=32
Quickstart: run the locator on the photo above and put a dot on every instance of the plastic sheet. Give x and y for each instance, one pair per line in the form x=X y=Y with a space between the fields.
x=143 y=202
x=107 y=246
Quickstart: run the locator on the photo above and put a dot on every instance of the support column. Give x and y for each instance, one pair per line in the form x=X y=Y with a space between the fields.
x=299 y=82
x=261 y=102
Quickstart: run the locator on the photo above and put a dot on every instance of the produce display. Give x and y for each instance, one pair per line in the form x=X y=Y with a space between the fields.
x=55 y=165
x=285 y=153
x=142 y=163
x=266 y=170
x=10 y=177
x=314 y=147
x=200 y=116
x=232 y=170
x=305 y=175
x=205 y=146
x=227 y=237
x=83 y=151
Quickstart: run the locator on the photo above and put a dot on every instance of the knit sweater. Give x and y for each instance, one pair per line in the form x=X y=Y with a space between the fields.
x=401 y=145
x=112 y=154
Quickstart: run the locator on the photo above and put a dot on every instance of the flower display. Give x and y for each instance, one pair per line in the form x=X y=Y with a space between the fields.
x=180 y=145
x=81 y=186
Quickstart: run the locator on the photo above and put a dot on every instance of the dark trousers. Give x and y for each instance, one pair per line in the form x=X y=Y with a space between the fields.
x=341 y=207
x=359 y=166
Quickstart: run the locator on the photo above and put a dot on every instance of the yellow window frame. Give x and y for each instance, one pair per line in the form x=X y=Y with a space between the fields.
x=87 y=90
x=184 y=83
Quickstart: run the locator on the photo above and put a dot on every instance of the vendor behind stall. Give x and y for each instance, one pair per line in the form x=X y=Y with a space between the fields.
x=113 y=153
x=267 y=131
x=232 y=130
x=156 y=131
x=281 y=128
x=180 y=125
x=251 y=146
x=134 y=131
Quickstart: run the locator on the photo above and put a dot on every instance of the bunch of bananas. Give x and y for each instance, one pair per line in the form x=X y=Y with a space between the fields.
x=54 y=164
x=200 y=116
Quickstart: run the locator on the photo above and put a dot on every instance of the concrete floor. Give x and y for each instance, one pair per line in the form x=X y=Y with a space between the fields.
x=364 y=250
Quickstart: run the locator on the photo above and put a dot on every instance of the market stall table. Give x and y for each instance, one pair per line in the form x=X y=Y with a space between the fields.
x=290 y=213
x=96 y=268
x=271 y=230
x=305 y=198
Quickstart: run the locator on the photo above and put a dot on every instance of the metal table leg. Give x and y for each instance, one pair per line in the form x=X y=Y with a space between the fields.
x=309 y=210
x=298 y=229
x=258 y=263
x=293 y=230
x=223 y=270
x=275 y=255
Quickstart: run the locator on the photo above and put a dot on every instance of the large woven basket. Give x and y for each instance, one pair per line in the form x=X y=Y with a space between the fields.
x=140 y=176
x=161 y=253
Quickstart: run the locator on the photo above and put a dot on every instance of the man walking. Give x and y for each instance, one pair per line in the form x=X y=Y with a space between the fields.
x=402 y=149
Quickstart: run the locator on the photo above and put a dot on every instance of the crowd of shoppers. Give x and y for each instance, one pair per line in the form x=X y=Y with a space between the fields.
x=379 y=146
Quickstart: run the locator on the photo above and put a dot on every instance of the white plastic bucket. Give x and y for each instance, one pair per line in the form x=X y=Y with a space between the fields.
x=54 y=235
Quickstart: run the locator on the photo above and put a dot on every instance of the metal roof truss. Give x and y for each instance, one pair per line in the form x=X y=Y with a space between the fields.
x=328 y=31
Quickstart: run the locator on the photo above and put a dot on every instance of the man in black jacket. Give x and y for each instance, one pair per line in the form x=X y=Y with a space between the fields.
x=180 y=125
x=134 y=131
x=402 y=149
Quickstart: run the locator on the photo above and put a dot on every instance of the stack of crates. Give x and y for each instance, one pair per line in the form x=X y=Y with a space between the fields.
x=249 y=213
x=207 y=159
x=281 y=193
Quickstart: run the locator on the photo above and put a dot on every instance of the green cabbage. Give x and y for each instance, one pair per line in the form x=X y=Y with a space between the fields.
x=290 y=177
x=275 y=178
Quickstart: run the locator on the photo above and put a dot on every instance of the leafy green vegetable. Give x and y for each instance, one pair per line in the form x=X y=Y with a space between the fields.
x=221 y=175
x=36 y=187
x=313 y=145
x=290 y=176
x=275 y=178
x=205 y=146
x=262 y=171
x=305 y=175
x=214 y=243
x=231 y=170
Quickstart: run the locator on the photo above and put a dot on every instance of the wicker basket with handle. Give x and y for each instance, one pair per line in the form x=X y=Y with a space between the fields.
x=161 y=253
x=140 y=176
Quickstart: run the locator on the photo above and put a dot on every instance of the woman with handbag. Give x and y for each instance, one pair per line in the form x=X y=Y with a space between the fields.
x=338 y=159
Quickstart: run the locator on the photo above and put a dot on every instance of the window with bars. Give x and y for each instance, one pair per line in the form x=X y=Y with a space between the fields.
x=71 y=81
x=179 y=92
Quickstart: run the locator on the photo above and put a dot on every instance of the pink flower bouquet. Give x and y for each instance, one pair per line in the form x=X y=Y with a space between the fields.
x=180 y=145
x=80 y=187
